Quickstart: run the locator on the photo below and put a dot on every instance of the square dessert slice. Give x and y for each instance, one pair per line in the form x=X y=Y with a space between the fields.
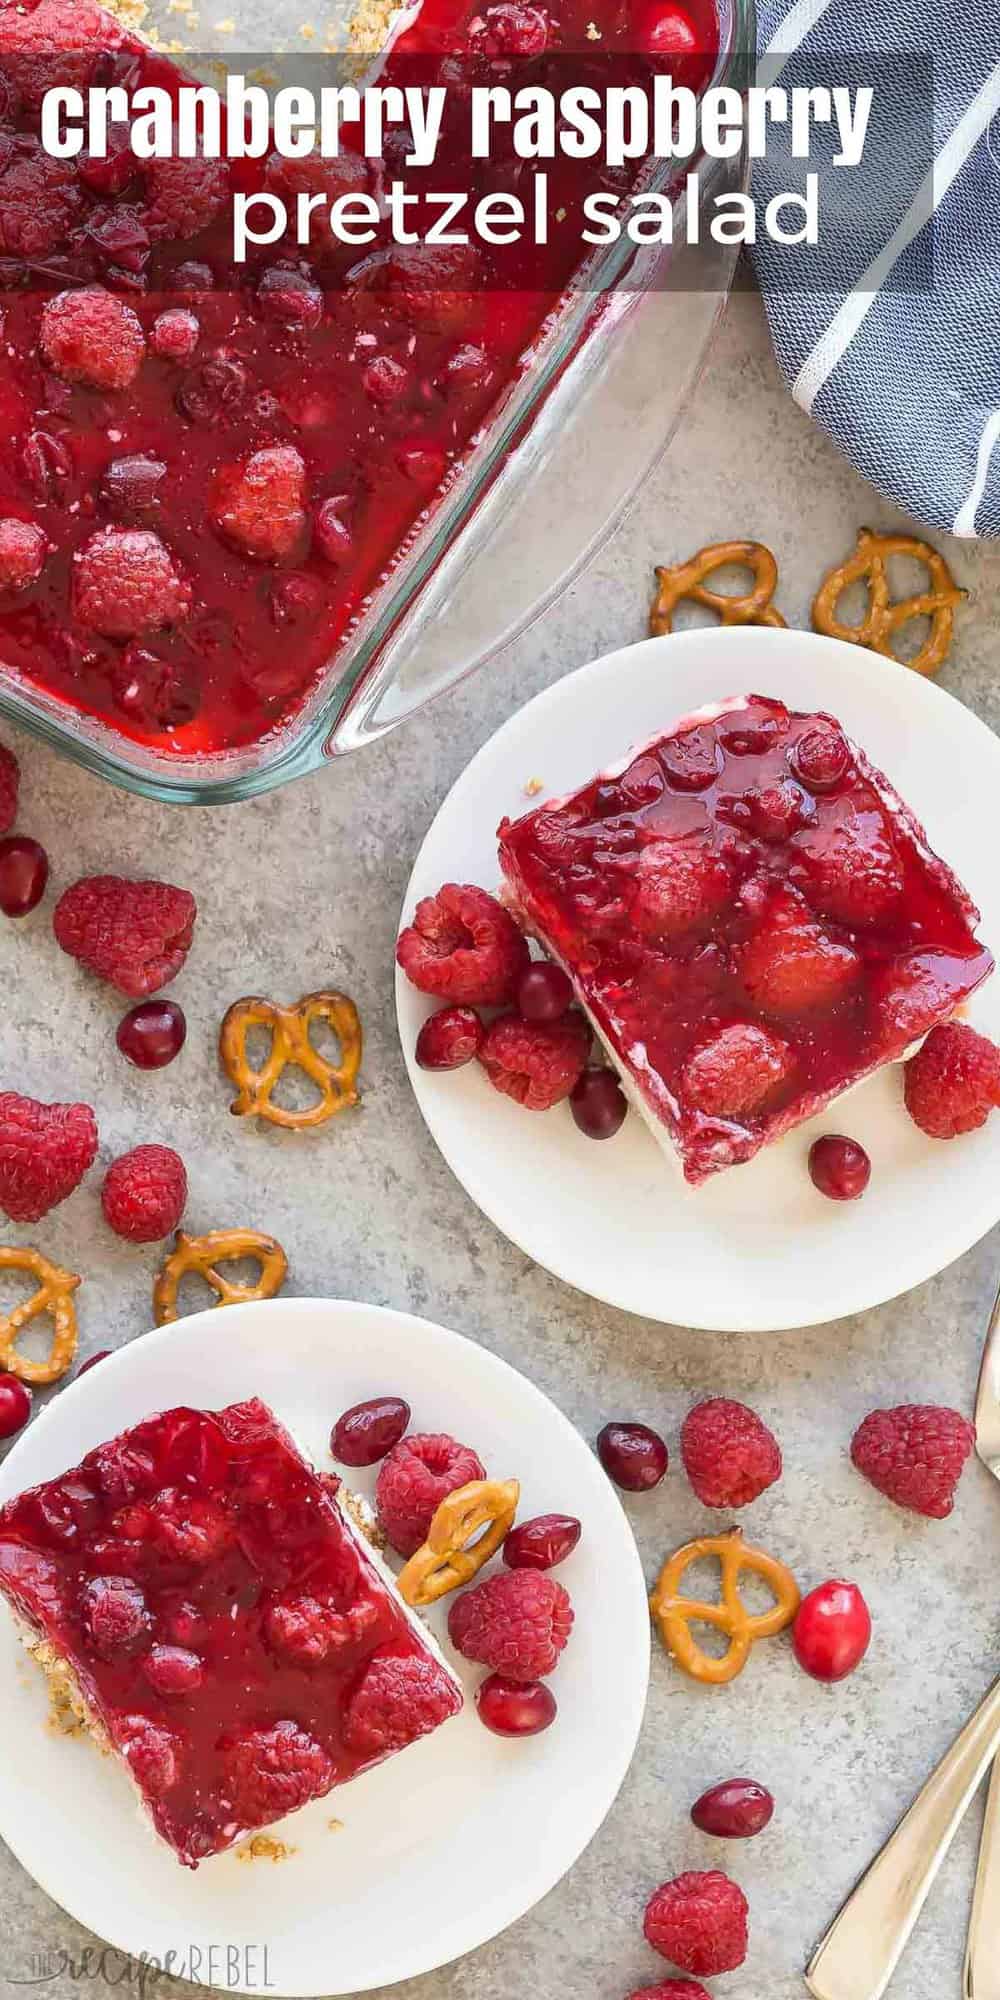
x=218 y=1622
x=752 y=919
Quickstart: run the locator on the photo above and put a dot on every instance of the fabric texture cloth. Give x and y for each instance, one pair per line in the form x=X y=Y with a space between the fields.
x=887 y=331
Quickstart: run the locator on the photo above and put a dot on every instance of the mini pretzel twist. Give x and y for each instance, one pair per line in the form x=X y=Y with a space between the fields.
x=884 y=616
x=290 y=1044
x=447 y=1560
x=55 y=1296
x=204 y=1253
x=687 y=580
x=675 y=1614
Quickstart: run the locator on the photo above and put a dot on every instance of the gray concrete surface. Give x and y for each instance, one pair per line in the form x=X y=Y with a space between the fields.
x=302 y=889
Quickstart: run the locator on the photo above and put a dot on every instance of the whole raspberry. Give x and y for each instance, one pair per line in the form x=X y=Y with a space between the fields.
x=953 y=1083
x=174 y=1670
x=92 y=337
x=115 y=1615
x=699 y=1922
x=537 y=1063
x=144 y=1194
x=852 y=874
x=419 y=1472
x=45 y=1150
x=41 y=199
x=260 y=504
x=450 y=1038
x=915 y=1455
x=775 y=812
x=152 y=1752
x=308 y=1631
x=186 y=1527
x=184 y=196
x=395 y=1701
x=126 y=582
x=136 y=935
x=680 y=883
x=270 y=1772
x=729 y=1455
x=463 y=946
x=791 y=965
x=672 y=1989
x=516 y=1623
x=10 y=784
x=737 y=1071
x=23 y=549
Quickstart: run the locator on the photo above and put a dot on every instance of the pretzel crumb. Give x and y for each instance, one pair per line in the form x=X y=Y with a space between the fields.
x=533 y=787
x=335 y=1825
x=264 y=1847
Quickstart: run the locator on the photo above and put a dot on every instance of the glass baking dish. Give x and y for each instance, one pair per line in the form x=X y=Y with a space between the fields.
x=563 y=454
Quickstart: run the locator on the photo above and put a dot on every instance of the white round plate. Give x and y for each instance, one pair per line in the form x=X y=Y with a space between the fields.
x=756 y=1249
x=442 y=1846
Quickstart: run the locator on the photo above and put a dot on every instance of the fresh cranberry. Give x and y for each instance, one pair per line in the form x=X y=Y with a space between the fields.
x=450 y=1038
x=15 y=1406
x=821 y=758
x=667 y=31
x=24 y=872
x=92 y=1360
x=839 y=1167
x=367 y=1432
x=598 y=1103
x=132 y=484
x=154 y=693
x=193 y=276
x=385 y=379
x=173 y=1670
x=832 y=1631
x=213 y=391
x=331 y=535
x=515 y=1708
x=634 y=1456
x=735 y=1810
x=544 y=992
x=423 y=463
x=175 y=334
x=290 y=298
x=543 y=1542
x=152 y=1034
x=468 y=368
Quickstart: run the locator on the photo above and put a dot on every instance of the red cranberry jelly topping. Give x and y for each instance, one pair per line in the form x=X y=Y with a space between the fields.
x=753 y=918
x=221 y=1619
x=132 y=342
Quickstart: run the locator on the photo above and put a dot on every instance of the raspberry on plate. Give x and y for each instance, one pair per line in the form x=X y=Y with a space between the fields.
x=92 y=337
x=463 y=946
x=915 y=1455
x=537 y=1063
x=45 y=1150
x=23 y=549
x=953 y=1082
x=144 y=1194
x=450 y=1038
x=751 y=918
x=136 y=935
x=729 y=1455
x=516 y=1623
x=126 y=582
x=736 y=1070
x=10 y=785
x=259 y=504
x=699 y=1922
x=418 y=1473
x=159 y=1573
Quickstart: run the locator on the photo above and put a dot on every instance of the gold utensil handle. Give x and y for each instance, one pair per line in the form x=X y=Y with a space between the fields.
x=864 y=1944
x=982 y=1964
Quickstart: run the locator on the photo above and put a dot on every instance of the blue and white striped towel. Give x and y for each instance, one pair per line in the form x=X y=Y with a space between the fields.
x=896 y=352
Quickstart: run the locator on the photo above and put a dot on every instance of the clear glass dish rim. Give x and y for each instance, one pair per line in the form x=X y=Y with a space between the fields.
x=229 y=776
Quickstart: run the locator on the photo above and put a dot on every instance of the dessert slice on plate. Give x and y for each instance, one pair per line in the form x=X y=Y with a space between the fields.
x=752 y=918
x=195 y=1591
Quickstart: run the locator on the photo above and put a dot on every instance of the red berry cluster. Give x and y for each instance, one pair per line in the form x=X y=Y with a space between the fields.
x=518 y=1620
x=464 y=947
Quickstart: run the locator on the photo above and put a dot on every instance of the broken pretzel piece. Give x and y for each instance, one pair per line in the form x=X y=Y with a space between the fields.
x=687 y=580
x=204 y=1253
x=291 y=1046
x=449 y=1556
x=54 y=1295
x=675 y=1614
x=885 y=616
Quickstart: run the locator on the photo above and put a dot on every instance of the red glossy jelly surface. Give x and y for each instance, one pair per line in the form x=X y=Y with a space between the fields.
x=220 y=1619
x=372 y=371
x=753 y=918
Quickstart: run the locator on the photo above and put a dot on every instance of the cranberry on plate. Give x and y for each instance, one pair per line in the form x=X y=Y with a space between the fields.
x=515 y=1708
x=832 y=1631
x=367 y=1432
x=543 y=1542
x=15 y=1406
x=544 y=992
x=839 y=1167
x=598 y=1103
x=634 y=1456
